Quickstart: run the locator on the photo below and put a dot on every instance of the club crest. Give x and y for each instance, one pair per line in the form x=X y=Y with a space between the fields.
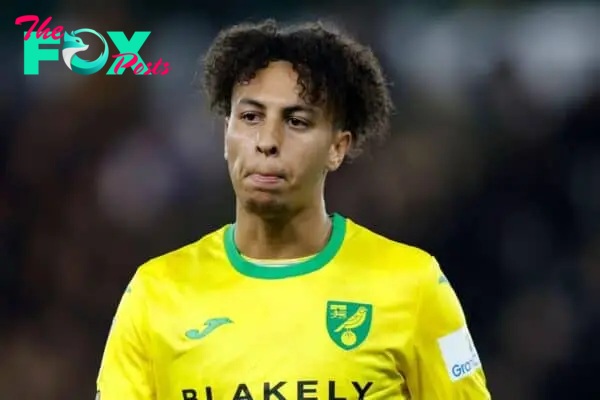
x=348 y=324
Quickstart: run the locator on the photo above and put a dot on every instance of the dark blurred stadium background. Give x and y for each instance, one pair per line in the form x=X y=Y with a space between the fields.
x=493 y=166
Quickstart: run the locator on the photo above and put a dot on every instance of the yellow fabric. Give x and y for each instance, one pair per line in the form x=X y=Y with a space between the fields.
x=379 y=321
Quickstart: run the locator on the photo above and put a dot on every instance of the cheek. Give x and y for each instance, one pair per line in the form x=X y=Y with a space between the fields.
x=312 y=158
x=236 y=147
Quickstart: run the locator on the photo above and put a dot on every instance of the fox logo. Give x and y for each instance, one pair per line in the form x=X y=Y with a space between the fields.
x=73 y=45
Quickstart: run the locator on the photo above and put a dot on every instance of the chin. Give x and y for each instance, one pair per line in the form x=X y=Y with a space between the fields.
x=266 y=205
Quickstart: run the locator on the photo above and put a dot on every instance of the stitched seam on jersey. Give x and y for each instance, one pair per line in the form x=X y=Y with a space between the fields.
x=415 y=334
x=148 y=338
x=422 y=287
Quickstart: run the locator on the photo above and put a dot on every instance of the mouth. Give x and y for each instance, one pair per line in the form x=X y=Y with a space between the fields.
x=267 y=172
x=266 y=177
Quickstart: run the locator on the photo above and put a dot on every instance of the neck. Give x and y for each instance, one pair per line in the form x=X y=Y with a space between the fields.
x=297 y=235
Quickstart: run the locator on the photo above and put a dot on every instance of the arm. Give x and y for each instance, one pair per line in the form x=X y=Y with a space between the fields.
x=126 y=368
x=445 y=364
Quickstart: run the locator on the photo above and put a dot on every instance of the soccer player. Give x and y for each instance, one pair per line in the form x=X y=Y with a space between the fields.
x=291 y=301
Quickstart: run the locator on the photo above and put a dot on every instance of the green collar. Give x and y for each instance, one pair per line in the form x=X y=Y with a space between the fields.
x=318 y=261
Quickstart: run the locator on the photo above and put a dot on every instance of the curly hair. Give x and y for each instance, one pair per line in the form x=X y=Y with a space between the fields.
x=332 y=69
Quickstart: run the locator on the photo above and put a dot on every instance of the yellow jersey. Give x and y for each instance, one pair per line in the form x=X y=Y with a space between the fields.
x=366 y=318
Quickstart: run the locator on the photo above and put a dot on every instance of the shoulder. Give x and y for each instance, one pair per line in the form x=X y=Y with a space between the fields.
x=384 y=248
x=403 y=274
x=179 y=263
x=402 y=262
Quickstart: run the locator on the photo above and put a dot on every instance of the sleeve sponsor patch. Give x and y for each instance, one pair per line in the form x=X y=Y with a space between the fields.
x=459 y=354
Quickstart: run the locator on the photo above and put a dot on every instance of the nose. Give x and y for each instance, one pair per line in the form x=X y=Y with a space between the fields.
x=268 y=140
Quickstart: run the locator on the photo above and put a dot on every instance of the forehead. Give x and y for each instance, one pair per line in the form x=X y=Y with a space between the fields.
x=276 y=85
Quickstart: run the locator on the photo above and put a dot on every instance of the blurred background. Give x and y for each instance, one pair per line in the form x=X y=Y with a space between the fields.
x=493 y=166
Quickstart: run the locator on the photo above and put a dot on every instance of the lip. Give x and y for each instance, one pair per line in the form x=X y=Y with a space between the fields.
x=266 y=178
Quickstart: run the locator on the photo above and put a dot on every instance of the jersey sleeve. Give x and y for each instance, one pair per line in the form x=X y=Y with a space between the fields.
x=126 y=367
x=446 y=365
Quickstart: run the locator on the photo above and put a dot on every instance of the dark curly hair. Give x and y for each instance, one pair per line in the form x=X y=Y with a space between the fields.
x=333 y=70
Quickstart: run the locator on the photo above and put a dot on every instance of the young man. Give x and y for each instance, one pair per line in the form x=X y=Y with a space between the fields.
x=291 y=302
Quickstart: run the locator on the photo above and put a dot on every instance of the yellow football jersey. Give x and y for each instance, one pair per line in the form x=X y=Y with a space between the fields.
x=366 y=318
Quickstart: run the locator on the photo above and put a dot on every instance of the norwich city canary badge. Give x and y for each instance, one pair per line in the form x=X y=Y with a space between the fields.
x=348 y=324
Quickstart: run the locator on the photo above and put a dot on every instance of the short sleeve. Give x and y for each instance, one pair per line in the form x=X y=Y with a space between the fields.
x=126 y=367
x=446 y=365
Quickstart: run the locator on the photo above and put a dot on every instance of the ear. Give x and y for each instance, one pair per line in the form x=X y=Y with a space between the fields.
x=342 y=140
x=225 y=127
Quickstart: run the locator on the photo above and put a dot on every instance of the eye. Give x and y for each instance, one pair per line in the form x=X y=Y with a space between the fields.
x=250 y=117
x=297 y=123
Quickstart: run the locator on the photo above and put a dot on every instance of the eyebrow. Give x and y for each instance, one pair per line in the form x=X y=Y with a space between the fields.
x=286 y=110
